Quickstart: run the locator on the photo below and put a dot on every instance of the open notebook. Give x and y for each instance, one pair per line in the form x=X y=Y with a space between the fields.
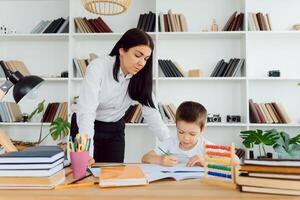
x=154 y=172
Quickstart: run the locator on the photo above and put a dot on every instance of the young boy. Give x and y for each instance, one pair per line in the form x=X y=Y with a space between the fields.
x=190 y=125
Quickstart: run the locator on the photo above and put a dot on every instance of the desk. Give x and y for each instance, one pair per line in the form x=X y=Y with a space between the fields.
x=166 y=189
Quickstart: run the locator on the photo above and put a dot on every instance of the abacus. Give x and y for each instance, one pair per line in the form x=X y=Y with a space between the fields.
x=218 y=165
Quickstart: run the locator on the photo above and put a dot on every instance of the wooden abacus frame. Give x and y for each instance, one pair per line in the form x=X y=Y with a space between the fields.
x=216 y=163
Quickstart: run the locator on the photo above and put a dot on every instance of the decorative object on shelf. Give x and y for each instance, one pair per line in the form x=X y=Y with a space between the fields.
x=233 y=118
x=106 y=7
x=64 y=74
x=274 y=73
x=195 y=73
x=283 y=145
x=214 y=26
x=6 y=30
x=23 y=85
x=25 y=117
x=214 y=118
x=296 y=27
x=40 y=108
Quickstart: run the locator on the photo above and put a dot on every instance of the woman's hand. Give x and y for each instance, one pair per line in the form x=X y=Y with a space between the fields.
x=195 y=161
x=168 y=161
x=91 y=161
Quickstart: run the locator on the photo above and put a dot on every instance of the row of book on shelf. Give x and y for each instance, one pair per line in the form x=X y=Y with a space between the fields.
x=171 y=22
x=235 y=22
x=38 y=167
x=147 y=22
x=55 y=110
x=228 y=69
x=259 y=22
x=134 y=113
x=11 y=112
x=84 y=25
x=273 y=176
x=59 y=25
x=13 y=65
x=267 y=113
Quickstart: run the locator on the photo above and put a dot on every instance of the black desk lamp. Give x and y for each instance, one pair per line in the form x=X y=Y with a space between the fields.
x=23 y=84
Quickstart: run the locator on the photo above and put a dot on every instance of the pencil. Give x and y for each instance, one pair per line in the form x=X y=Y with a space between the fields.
x=77 y=185
x=165 y=153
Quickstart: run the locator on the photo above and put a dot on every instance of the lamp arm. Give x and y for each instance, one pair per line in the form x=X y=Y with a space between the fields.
x=7 y=72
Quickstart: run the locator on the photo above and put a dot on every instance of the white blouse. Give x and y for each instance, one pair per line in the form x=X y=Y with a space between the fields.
x=104 y=99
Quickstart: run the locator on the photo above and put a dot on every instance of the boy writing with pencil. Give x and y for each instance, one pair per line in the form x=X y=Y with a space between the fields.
x=189 y=143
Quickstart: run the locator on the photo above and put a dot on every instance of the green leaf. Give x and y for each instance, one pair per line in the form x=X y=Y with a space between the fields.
x=40 y=108
x=295 y=140
x=59 y=128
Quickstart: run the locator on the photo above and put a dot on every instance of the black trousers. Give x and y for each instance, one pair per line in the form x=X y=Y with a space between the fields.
x=109 y=140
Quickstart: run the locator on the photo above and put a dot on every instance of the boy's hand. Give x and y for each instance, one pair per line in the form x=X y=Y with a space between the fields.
x=91 y=161
x=195 y=161
x=168 y=161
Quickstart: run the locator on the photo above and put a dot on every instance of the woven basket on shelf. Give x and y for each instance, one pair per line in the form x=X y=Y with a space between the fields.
x=106 y=7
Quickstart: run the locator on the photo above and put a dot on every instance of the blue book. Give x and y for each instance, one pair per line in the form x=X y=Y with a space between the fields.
x=39 y=154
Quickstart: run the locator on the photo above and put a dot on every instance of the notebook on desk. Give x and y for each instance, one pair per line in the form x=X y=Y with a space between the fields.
x=156 y=172
x=115 y=176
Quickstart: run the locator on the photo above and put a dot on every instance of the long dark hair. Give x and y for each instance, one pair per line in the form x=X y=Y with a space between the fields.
x=140 y=85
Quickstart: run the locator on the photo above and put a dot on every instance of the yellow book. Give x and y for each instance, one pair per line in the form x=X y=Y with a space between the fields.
x=121 y=176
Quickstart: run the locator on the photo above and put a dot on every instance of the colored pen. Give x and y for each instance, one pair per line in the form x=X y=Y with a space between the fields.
x=77 y=185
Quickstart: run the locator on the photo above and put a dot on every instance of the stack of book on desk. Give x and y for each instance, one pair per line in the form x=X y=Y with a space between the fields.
x=33 y=168
x=274 y=176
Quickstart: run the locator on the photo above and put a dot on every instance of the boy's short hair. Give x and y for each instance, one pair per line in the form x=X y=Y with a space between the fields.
x=192 y=112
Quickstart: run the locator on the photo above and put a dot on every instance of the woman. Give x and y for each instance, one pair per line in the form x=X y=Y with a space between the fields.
x=112 y=84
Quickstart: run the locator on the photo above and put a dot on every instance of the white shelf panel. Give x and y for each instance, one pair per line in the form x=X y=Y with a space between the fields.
x=201 y=78
x=274 y=79
x=43 y=37
x=93 y=36
x=274 y=125
x=55 y=79
x=23 y=124
x=219 y=125
x=275 y=33
x=201 y=35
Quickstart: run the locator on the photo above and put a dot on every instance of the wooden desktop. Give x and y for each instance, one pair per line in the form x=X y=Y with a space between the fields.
x=164 y=189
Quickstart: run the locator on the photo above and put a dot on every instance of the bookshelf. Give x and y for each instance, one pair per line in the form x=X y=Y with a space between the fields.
x=48 y=55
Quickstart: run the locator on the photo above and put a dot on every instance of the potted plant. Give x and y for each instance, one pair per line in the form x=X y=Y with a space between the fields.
x=59 y=129
x=260 y=138
x=283 y=145
x=286 y=147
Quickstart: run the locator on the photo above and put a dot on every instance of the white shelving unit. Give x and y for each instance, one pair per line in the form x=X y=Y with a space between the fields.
x=48 y=55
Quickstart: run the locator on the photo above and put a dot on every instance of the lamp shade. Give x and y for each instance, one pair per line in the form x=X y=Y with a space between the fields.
x=25 y=85
x=106 y=7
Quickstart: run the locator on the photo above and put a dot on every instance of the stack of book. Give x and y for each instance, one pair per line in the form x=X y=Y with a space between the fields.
x=134 y=114
x=147 y=22
x=59 y=25
x=10 y=112
x=235 y=22
x=268 y=113
x=259 y=22
x=80 y=64
x=168 y=112
x=274 y=176
x=33 y=168
x=230 y=69
x=170 y=69
x=172 y=22
x=13 y=65
x=84 y=25
x=55 y=110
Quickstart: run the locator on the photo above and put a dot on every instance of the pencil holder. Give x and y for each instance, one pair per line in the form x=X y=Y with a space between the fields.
x=79 y=163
